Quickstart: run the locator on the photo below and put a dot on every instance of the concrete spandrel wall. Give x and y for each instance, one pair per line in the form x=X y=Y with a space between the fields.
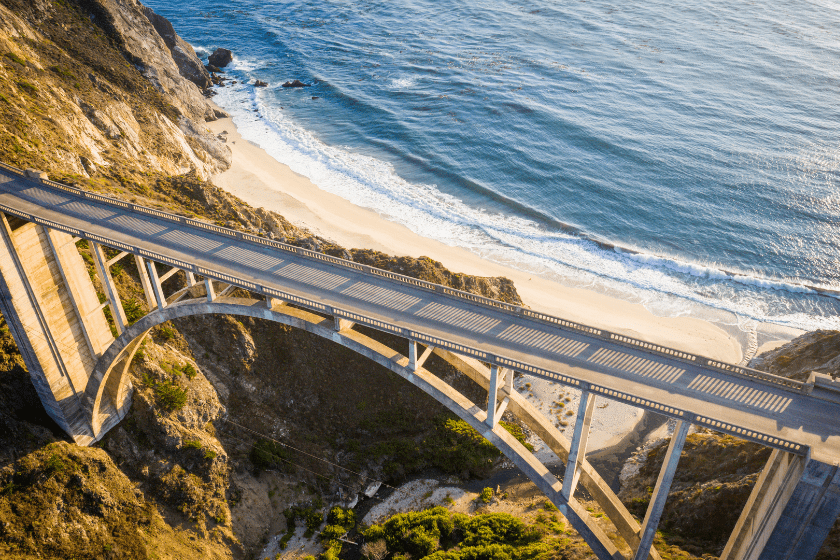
x=808 y=516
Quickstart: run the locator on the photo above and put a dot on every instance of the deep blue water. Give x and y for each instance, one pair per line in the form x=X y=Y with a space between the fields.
x=674 y=154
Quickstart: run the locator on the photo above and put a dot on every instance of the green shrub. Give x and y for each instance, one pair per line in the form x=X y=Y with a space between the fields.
x=209 y=454
x=63 y=72
x=191 y=444
x=189 y=371
x=54 y=465
x=267 y=454
x=516 y=431
x=27 y=87
x=486 y=495
x=166 y=333
x=133 y=311
x=340 y=516
x=170 y=396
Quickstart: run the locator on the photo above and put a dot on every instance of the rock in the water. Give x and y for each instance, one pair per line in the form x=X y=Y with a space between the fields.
x=295 y=83
x=214 y=69
x=220 y=57
x=260 y=83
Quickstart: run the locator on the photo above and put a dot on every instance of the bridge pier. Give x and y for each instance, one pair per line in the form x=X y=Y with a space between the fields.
x=55 y=317
x=660 y=492
x=577 y=450
x=790 y=511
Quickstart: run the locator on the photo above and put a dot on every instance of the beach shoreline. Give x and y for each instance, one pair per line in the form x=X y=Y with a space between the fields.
x=260 y=180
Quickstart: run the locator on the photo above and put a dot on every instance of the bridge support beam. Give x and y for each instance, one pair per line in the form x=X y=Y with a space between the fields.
x=144 y=280
x=108 y=285
x=577 y=450
x=790 y=511
x=211 y=291
x=415 y=362
x=341 y=324
x=495 y=410
x=660 y=492
x=157 y=289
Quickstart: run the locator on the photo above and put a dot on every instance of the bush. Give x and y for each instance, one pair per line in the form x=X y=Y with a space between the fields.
x=268 y=454
x=170 y=396
x=189 y=371
x=486 y=495
x=516 y=431
x=133 y=311
x=16 y=58
x=191 y=444
x=166 y=333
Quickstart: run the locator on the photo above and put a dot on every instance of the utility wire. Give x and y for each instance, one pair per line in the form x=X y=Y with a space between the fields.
x=308 y=454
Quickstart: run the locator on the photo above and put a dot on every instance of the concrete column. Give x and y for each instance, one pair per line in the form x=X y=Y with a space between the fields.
x=494 y=410
x=211 y=292
x=156 y=287
x=660 y=493
x=341 y=324
x=108 y=285
x=412 y=355
x=144 y=280
x=577 y=449
x=190 y=278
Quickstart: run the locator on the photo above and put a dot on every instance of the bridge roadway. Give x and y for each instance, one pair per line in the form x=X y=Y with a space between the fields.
x=757 y=406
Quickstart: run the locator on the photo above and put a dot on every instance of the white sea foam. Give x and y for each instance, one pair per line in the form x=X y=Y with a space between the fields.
x=661 y=283
x=402 y=83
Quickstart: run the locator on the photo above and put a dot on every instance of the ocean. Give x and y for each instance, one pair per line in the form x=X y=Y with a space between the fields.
x=686 y=157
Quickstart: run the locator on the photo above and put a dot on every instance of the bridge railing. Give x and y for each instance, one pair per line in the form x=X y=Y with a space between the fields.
x=654 y=349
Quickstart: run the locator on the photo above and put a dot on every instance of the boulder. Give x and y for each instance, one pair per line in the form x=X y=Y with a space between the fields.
x=260 y=83
x=295 y=83
x=221 y=57
x=214 y=69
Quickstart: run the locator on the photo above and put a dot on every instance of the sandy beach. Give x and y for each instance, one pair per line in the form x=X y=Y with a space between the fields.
x=262 y=181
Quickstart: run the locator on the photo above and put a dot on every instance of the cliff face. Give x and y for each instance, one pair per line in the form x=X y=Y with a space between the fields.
x=92 y=91
x=716 y=473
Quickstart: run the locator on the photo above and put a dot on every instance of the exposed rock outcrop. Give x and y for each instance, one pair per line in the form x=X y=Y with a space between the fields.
x=182 y=52
x=127 y=24
x=814 y=351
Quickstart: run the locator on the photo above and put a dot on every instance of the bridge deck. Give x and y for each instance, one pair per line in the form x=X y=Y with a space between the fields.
x=727 y=398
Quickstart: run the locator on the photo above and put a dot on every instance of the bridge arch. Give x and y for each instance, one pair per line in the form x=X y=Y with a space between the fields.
x=109 y=383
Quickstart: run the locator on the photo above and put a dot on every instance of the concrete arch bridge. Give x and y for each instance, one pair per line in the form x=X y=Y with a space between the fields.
x=79 y=368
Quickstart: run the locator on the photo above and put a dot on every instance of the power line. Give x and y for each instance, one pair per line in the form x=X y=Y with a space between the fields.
x=308 y=454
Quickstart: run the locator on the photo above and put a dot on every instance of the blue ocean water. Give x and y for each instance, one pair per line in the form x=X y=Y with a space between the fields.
x=674 y=154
